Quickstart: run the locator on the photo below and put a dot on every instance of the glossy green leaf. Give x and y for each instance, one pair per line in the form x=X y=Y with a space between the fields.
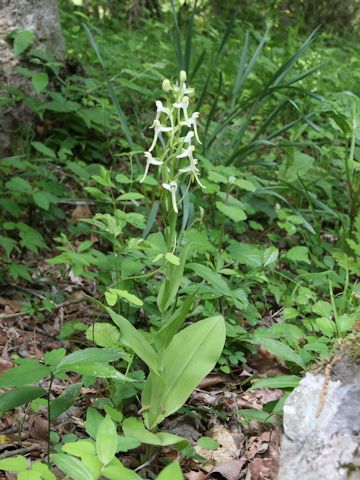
x=132 y=338
x=170 y=257
x=171 y=472
x=100 y=370
x=298 y=254
x=135 y=428
x=44 y=470
x=281 y=350
x=170 y=287
x=124 y=294
x=72 y=466
x=88 y=355
x=21 y=395
x=16 y=464
x=79 y=448
x=64 y=401
x=116 y=471
x=92 y=422
x=23 y=40
x=280 y=381
x=106 y=441
x=234 y=212
x=103 y=334
x=30 y=371
x=29 y=475
x=190 y=356
x=39 y=81
x=208 y=443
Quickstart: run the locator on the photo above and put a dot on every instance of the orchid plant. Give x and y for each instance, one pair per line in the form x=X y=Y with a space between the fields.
x=172 y=150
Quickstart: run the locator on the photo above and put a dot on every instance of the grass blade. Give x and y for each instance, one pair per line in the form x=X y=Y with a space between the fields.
x=178 y=46
x=188 y=43
x=112 y=93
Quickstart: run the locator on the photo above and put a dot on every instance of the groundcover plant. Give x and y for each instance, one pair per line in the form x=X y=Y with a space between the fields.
x=184 y=200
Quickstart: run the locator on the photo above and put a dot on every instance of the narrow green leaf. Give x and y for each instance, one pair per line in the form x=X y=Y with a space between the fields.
x=171 y=472
x=30 y=371
x=169 y=289
x=16 y=464
x=46 y=151
x=280 y=381
x=92 y=354
x=21 y=395
x=170 y=257
x=72 y=466
x=23 y=40
x=40 y=81
x=234 y=212
x=132 y=338
x=106 y=441
x=281 y=350
x=64 y=401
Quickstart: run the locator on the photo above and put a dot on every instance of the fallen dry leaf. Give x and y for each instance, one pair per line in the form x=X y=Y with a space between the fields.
x=10 y=305
x=263 y=469
x=204 y=398
x=257 y=398
x=38 y=426
x=215 y=379
x=231 y=470
x=195 y=475
x=228 y=449
x=5 y=365
x=81 y=211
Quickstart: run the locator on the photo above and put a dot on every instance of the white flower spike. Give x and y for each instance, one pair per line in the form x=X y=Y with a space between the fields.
x=158 y=128
x=187 y=90
x=188 y=137
x=161 y=109
x=172 y=188
x=188 y=152
x=192 y=122
x=150 y=160
x=184 y=104
x=193 y=170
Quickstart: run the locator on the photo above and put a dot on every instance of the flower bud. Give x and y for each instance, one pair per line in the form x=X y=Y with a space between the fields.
x=166 y=85
x=183 y=76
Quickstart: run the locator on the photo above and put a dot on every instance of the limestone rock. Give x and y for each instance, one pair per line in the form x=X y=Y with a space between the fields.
x=322 y=426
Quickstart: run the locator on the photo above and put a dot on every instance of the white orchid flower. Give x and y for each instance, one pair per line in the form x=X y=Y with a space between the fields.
x=150 y=160
x=158 y=128
x=192 y=122
x=161 y=109
x=187 y=90
x=193 y=170
x=188 y=137
x=188 y=152
x=172 y=188
x=184 y=105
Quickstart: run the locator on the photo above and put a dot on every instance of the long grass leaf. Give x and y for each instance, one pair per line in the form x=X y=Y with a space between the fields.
x=252 y=62
x=286 y=67
x=214 y=61
x=198 y=64
x=178 y=46
x=188 y=43
x=112 y=93
x=240 y=71
x=213 y=107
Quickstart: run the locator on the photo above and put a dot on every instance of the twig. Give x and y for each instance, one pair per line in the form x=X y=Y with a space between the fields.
x=20 y=451
x=147 y=463
x=5 y=316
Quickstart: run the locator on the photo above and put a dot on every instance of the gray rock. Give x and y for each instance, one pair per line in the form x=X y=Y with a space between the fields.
x=322 y=427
